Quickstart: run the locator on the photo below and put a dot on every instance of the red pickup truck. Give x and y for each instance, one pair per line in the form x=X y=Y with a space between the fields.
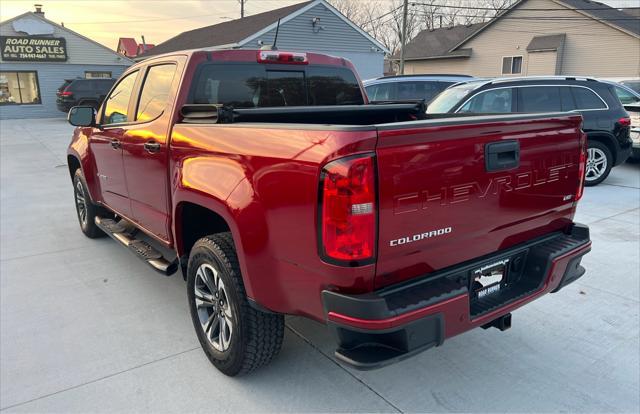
x=271 y=183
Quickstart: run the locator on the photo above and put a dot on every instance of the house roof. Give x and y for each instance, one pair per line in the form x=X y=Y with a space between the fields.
x=237 y=32
x=633 y=11
x=224 y=33
x=438 y=43
x=606 y=14
x=144 y=47
x=446 y=42
x=548 y=42
x=129 y=45
x=66 y=29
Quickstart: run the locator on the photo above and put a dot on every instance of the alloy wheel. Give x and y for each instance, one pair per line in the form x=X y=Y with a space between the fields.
x=81 y=202
x=212 y=305
x=596 y=164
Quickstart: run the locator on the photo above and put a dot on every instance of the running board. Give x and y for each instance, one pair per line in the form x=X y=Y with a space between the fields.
x=125 y=235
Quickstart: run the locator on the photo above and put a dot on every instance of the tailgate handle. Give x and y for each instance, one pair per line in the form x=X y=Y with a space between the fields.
x=503 y=155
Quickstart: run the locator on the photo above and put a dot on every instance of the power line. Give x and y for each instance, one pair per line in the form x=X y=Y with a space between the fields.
x=147 y=20
x=521 y=8
x=548 y=18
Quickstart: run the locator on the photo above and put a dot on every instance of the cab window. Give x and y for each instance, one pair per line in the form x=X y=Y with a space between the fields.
x=494 y=101
x=155 y=91
x=117 y=103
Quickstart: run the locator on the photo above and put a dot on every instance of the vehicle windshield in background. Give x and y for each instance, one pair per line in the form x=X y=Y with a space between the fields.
x=444 y=102
x=252 y=86
x=633 y=84
x=402 y=91
x=626 y=97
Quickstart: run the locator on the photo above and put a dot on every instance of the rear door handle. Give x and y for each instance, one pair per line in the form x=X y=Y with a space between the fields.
x=502 y=155
x=115 y=144
x=152 y=146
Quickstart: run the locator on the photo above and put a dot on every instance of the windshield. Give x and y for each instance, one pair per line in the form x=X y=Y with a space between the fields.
x=626 y=97
x=444 y=102
x=633 y=84
x=408 y=90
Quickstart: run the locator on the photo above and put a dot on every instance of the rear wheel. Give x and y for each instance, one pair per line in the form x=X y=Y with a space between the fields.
x=235 y=337
x=85 y=209
x=599 y=163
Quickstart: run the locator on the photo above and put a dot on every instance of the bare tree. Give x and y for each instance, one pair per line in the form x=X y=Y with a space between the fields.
x=382 y=19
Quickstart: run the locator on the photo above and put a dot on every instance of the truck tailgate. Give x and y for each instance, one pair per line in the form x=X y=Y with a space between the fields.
x=453 y=190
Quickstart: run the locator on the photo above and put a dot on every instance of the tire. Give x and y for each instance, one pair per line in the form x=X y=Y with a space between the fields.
x=85 y=209
x=236 y=338
x=599 y=163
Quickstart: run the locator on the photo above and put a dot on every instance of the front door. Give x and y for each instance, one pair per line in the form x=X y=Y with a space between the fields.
x=145 y=148
x=106 y=142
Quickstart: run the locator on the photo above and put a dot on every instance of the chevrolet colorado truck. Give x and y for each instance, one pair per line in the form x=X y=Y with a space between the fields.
x=271 y=183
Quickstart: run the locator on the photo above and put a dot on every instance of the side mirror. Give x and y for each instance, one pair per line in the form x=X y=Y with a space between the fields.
x=82 y=116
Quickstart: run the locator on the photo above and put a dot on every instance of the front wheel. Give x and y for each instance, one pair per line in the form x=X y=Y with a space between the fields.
x=85 y=209
x=599 y=163
x=235 y=337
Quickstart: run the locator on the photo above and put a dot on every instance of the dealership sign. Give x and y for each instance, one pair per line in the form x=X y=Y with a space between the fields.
x=33 y=49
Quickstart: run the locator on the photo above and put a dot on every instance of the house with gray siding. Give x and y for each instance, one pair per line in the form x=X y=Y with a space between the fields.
x=38 y=55
x=312 y=26
x=532 y=38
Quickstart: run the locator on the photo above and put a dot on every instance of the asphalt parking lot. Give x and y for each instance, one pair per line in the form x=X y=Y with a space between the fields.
x=87 y=327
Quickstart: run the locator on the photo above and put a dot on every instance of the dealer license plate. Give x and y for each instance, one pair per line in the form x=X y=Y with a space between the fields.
x=489 y=279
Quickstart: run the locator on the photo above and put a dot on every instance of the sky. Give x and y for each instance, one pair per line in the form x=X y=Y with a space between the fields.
x=158 y=20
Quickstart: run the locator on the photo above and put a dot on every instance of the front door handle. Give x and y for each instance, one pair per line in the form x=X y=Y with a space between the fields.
x=115 y=144
x=152 y=146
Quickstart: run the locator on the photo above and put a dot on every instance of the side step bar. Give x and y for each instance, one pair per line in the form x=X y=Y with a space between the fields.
x=124 y=235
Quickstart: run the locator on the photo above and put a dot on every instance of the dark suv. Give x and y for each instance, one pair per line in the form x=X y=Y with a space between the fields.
x=87 y=92
x=605 y=121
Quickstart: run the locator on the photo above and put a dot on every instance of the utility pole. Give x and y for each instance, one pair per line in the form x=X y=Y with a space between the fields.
x=241 y=7
x=403 y=40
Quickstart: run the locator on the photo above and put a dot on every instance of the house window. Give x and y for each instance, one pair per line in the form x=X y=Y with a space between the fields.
x=96 y=74
x=511 y=65
x=19 y=88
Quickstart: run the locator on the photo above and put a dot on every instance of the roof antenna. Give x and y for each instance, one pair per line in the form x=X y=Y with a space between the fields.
x=275 y=39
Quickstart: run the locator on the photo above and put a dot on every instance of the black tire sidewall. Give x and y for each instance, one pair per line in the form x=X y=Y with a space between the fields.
x=229 y=361
x=602 y=147
x=91 y=211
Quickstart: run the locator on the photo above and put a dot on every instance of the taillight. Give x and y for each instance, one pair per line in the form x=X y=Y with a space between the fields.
x=273 y=56
x=348 y=210
x=624 y=122
x=65 y=93
x=582 y=165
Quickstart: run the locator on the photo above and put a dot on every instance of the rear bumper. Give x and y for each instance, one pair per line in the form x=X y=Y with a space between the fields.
x=64 y=106
x=396 y=322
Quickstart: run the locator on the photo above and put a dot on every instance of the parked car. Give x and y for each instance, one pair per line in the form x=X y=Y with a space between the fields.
x=80 y=91
x=253 y=174
x=632 y=84
x=409 y=87
x=630 y=99
x=606 y=122
x=634 y=113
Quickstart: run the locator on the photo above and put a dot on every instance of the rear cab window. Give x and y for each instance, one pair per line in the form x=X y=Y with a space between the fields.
x=242 y=85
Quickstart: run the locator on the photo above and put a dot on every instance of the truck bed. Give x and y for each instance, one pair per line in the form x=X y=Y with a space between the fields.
x=431 y=176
